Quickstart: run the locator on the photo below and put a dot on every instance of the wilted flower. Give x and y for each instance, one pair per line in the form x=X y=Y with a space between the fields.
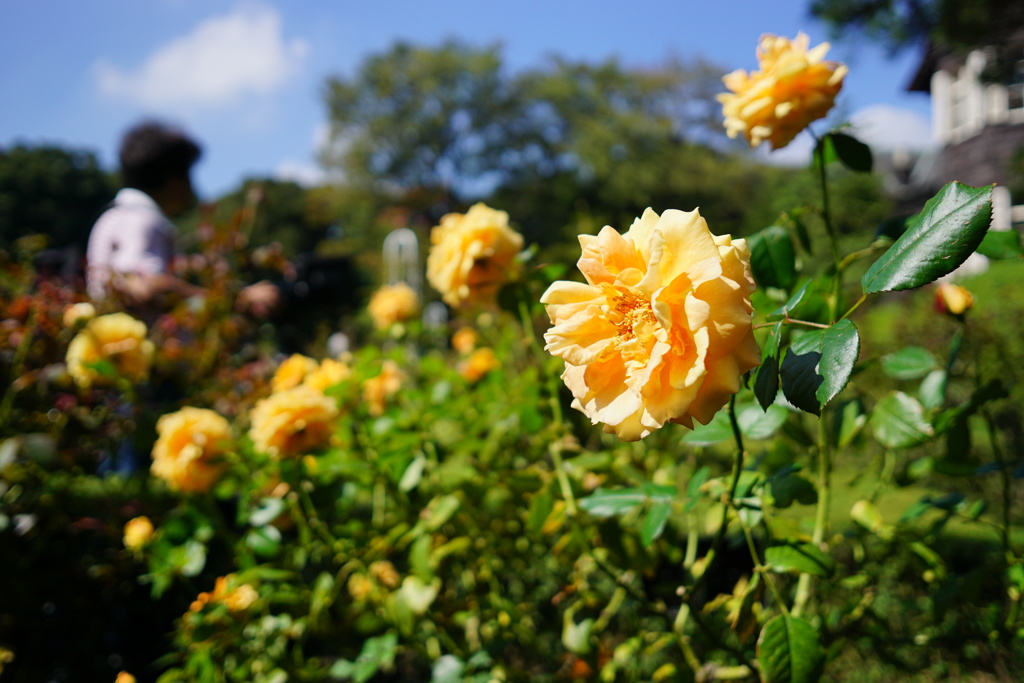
x=793 y=87
x=293 y=422
x=661 y=331
x=479 y=363
x=471 y=254
x=327 y=374
x=79 y=313
x=377 y=390
x=235 y=598
x=953 y=300
x=292 y=372
x=117 y=339
x=393 y=304
x=189 y=446
x=138 y=532
x=464 y=340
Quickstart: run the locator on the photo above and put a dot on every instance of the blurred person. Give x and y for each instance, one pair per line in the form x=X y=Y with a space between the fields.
x=131 y=245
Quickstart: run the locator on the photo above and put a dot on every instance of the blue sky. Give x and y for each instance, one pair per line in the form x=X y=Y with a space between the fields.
x=245 y=77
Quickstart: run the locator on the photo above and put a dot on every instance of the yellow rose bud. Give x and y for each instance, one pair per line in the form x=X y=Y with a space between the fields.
x=472 y=255
x=661 y=330
x=794 y=86
x=125 y=677
x=953 y=300
x=137 y=533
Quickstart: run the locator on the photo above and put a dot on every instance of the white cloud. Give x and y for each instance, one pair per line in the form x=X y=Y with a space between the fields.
x=304 y=173
x=218 y=62
x=889 y=128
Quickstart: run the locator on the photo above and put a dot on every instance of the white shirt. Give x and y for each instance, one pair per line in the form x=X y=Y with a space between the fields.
x=132 y=236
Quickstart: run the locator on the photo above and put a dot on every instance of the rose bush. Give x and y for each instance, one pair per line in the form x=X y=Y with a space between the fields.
x=117 y=343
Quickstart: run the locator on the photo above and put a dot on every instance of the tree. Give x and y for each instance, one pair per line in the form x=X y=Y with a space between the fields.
x=901 y=24
x=50 y=190
x=419 y=117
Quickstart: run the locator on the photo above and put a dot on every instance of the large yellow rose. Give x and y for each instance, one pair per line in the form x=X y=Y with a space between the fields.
x=118 y=339
x=188 y=447
x=293 y=422
x=661 y=330
x=393 y=304
x=471 y=255
x=793 y=87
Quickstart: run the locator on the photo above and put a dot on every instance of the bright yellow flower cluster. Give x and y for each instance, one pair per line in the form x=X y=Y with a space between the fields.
x=661 y=330
x=118 y=339
x=793 y=87
x=472 y=255
x=188 y=449
x=377 y=390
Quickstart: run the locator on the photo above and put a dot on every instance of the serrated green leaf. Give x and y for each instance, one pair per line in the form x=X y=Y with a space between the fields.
x=936 y=242
x=654 y=523
x=799 y=558
x=911 y=362
x=772 y=257
x=898 y=421
x=789 y=651
x=785 y=309
x=818 y=365
x=766 y=381
x=1001 y=245
x=854 y=154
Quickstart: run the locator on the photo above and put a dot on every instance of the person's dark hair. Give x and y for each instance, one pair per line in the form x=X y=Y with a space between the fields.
x=152 y=152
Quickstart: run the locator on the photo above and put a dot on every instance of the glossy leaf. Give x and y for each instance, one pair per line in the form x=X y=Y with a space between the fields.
x=799 y=558
x=936 y=242
x=716 y=431
x=757 y=424
x=898 y=421
x=854 y=154
x=818 y=365
x=911 y=362
x=654 y=522
x=766 y=381
x=932 y=391
x=789 y=651
x=773 y=257
x=785 y=309
x=1001 y=244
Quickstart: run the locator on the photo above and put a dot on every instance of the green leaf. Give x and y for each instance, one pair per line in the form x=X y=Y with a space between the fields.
x=936 y=242
x=540 y=507
x=654 y=522
x=773 y=257
x=818 y=365
x=693 y=486
x=849 y=420
x=716 y=431
x=439 y=511
x=932 y=391
x=766 y=381
x=785 y=309
x=854 y=154
x=1001 y=244
x=604 y=503
x=788 y=487
x=799 y=558
x=898 y=421
x=911 y=362
x=757 y=424
x=412 y=475
x=801 y=232
x=788 y=651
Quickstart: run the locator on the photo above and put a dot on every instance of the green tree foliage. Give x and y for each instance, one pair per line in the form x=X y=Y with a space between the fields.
x=900 y=24
x=50 y=190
